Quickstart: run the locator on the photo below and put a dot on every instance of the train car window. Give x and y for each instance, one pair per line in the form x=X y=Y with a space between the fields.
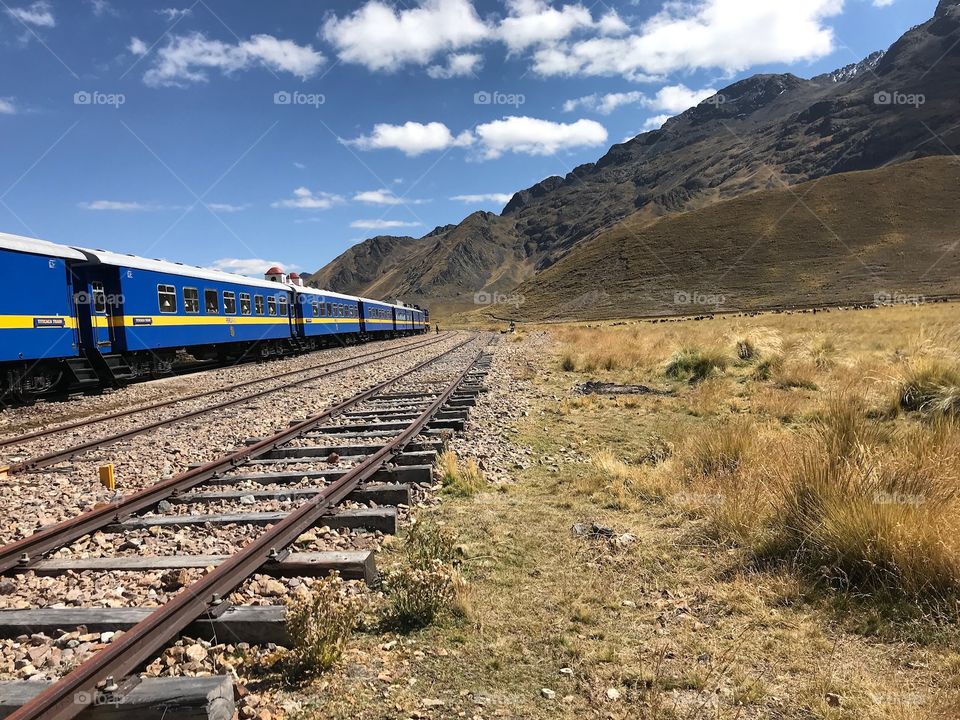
x=191 y=300
x=167 y=298
x=283 y=308
x=272 y=306
x=316 y=309
x=211 y=302
x=323 y=309
x=245 y=303
x=229 y=302
x=258 y=304
x=99 y=297
x=329 y=310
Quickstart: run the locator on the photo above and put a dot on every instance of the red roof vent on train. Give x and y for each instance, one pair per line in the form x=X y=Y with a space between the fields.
x=275 y=274
x=295 y=279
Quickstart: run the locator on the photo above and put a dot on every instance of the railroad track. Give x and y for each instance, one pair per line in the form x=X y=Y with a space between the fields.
x=378 y=438
x=310 y=374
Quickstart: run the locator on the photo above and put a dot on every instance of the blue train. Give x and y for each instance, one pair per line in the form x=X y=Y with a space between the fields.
x=76 y=319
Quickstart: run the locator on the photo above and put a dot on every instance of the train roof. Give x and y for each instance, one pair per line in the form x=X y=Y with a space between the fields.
x=33 y=246
x=163 y=266
x=307 y=290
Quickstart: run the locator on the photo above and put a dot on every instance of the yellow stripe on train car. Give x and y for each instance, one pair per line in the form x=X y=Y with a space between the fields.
x=37 y=322
x=141 y=321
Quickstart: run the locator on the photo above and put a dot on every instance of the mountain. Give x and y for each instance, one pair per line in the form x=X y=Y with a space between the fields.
x=762 y=133
x=858 y=237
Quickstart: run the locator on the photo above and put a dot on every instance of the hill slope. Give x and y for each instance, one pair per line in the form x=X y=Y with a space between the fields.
x=853 y=237
x=764 y=132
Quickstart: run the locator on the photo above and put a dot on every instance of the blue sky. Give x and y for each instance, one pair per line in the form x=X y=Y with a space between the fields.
x=236 y=134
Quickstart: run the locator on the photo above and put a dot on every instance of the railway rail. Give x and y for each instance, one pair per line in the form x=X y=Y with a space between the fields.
x=308 y=375
x=375 y=431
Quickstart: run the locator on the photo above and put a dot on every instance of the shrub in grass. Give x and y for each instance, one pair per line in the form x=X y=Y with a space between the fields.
x=930 y=386
x=426 y=583
x=747 y=351
x=719 y=451
x=460 y=480
x=695 y=365
x=567 y=363
x=320 y=622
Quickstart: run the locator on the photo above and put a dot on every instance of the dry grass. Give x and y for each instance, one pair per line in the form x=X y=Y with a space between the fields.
x=620 y=483
x=321 y=621
x=459 y=479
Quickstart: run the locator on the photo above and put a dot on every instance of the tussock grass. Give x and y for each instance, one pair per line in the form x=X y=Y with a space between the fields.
x=460 y=479
x=320 y=622
x=695 y=365
x=931 y=386
x=619 y=483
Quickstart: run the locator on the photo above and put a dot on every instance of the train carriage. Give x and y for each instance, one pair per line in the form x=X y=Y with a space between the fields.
x=38 y=323
x=403 y=318
x=377 y=318
x=325 y=317
x=153 y=308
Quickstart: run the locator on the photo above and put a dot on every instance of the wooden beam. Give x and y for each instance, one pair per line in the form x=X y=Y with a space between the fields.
x=183 y=698
x=382 y=519
x=404 y=474
x=353 y=565
x=379 y=493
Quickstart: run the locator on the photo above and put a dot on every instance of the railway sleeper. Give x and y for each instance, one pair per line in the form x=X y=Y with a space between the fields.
x=382 y=519
x=414 y=474
x=352 y=565
x=346 y=450
x=184 y=698
x=379 y=493
x=292 y=455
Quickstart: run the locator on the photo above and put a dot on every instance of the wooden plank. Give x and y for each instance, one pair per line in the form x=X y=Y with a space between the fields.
x=379 y=493
x=347 y=450
x=290 y=455
x=353 y=564
x=183 y=698
x=382 y=519
x=405 y=474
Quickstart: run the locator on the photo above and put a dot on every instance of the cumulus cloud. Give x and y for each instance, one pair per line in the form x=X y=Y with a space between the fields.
x=138 y=46
x=498 y=198
x=253 y=267
x=532 y=22
x=306 y=199
x=656 y=122
x=728 y=34
x=384 y=197
x=7 y=106
x=673 y=99
x=458 y=65
x=117 y=206
x=174 y=14
x=38 y=14
x=411 y=138
x=226 y=207
x=102 y=7
x=186 y=58
x=382 y=224
x=380 y=37
x=532 y=136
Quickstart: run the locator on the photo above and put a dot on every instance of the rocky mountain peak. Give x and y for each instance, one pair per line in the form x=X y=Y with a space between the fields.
x=946 y=7
x=849 y=72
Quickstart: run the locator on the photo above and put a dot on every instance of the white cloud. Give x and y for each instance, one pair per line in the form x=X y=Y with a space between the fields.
x=384 y=197
x=883 y=3
x=117 y=206
x=138 y=46
x=499 y=198
x=380 y=37
x=226 y=207
x=253 y=267
x=7 y=106
x=102 y=7
x=411 y=138
x=174 y=14
x=39 y=14
x=655 y=123
x=673 y=99
x=728 y=34
x=457 y=66
x=604 y=104
x=532 y=136
x=532 y=22
x=306 y=199
x=186 y=58
x=382 y=224
x=299 y=165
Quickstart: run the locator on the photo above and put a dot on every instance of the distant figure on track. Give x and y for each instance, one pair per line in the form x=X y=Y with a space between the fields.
x=438 y=328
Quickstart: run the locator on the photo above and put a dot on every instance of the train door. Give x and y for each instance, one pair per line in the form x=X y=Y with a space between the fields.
x=101 y=322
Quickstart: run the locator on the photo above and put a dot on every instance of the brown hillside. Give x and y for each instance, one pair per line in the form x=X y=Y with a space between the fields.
x=854 y=237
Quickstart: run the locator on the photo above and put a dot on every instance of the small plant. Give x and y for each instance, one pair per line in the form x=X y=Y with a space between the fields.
x=320 y=622
x=460 y=480
x=747 y=351
x=720 y=451
x=695 y=365
x=567 y=363
x=426 y=584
